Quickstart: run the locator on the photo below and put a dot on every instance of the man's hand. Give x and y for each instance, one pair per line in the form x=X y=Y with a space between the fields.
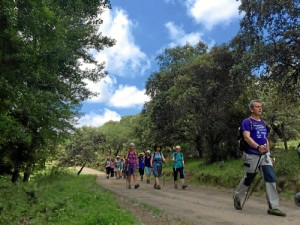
x=262 y=149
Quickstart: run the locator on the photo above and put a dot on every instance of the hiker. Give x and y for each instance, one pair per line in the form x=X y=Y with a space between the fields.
x=132 y=162
x=118 y=167
x=124 y=168
x=107 y=167
x=258 y=156
x=141 y=166
x=112 y=167
x=147 y=162
x=298 y=150
x=156 y=163
x=178 y=164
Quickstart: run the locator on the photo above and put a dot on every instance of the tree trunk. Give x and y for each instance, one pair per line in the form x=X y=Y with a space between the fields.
x=284 y=137
x=15 y=175
x=27 y=173
x=81 y=169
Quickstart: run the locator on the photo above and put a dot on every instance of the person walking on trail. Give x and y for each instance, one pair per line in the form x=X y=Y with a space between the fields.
x=141 y=166
x=258 y=156
x=118 y=167
x=132 y=163
x=147 y=162
x=178 y=164
x=112 y=167
x=107 y=167
x=124 y=168
x=156 y=163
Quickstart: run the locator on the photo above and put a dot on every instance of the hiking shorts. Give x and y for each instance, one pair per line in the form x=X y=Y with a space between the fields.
x=157 y=170
x=131 y=170
x=148 y=170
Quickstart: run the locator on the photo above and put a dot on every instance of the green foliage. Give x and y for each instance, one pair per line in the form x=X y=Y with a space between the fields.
x=60 y=198
x=43 y=45
x=228 y=173
x=267 y=43
x=83 y=147
x=193 y=101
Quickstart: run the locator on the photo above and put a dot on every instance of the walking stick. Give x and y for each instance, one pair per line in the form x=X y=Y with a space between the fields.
x=247 y=193
x=254 y=187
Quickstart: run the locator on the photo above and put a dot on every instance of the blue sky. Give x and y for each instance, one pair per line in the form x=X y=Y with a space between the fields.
x=142 y=30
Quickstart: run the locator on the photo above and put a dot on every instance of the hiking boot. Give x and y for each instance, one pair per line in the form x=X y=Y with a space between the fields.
x=129 y=186
x=136 y=186
x=154 y=186
x=276 y=212
x=158 y=187
x=184 y=186
x=175 y=186
x=237 y=203
x=148 y=181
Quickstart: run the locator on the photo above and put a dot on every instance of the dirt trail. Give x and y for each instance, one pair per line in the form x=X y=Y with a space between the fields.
x=200 y=205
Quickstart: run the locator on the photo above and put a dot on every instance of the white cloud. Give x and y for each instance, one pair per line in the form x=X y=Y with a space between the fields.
x=179 y=37
x=128 y=96
x=95 y=120
x=213 y=12
x=104 y=89
x=125 y=58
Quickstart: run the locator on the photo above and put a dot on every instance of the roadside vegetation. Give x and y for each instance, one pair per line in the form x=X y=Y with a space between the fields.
x=60 y=197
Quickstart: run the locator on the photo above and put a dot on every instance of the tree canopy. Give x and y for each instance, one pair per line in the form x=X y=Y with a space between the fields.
x=44 y=45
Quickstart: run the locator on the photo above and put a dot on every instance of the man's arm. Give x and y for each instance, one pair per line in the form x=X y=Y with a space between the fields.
x=250 y=141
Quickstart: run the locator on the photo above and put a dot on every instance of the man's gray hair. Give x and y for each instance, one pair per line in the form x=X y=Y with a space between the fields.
x=251 y=105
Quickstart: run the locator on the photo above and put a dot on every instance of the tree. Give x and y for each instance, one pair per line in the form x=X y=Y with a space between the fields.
x=42 y=83
x=160 y=110
x=205 y=94
x=84 y=147
x=268 y=42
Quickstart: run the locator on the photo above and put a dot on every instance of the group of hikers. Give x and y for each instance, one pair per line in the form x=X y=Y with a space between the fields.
x=257 y=157
x=152 y=163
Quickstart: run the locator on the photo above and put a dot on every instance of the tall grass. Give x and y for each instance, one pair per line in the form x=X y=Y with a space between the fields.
x=60 y=198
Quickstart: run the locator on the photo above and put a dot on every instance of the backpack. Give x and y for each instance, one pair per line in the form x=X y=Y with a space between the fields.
x=157 y=160
x=242 y=144
x=131 y=158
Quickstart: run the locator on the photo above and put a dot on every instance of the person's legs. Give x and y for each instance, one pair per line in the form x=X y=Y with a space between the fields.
x=142 y=173
x=134 y=178
x=148 y=172
x=129 y=176
x=175 y=173
x=268 y=174
x=159 y=173
x=250 y=164
x=107 y=172
x=182 y=177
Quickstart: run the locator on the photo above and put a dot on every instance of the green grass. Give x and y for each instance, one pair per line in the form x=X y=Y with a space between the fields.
x=60 y=198
x=227 y=174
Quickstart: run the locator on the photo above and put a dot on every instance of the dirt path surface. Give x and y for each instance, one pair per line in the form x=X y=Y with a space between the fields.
x=197 y=205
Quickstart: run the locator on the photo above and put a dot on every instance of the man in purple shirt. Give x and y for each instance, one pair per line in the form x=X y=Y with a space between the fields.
x=258 y=156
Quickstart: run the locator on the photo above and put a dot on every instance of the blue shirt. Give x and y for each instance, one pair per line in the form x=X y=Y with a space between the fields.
x=157 y=159
x=258 y=132
x=141 y=162
x=178 y=157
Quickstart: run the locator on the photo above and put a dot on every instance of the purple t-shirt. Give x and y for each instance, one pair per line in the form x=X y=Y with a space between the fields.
x=258 y=132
